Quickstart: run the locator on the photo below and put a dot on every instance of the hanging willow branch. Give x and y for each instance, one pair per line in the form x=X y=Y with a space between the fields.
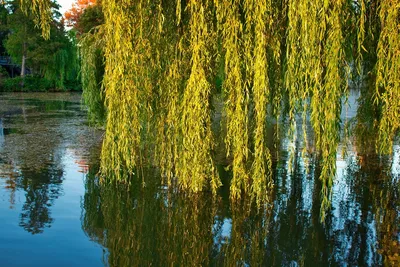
x=118 y=158
x=237 y=100
x=196 y=166
x=42 y=11
x=388 y=74
x=314 y=63
x=262 y=165
x=92 y=71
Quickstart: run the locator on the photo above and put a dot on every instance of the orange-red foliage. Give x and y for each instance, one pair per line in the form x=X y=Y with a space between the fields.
x=73 y=14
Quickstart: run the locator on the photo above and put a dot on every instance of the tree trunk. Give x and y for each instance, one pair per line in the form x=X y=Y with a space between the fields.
x=23 y=61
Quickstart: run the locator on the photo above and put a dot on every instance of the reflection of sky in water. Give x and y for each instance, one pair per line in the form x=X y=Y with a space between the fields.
x=347 y=214
x=222 y=232
x=226 y=228
x=396 y=163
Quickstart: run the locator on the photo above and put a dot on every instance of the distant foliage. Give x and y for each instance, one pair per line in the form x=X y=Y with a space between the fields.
x=3 y=73
x=54 y=58
x=73 y=15
x=26 y=84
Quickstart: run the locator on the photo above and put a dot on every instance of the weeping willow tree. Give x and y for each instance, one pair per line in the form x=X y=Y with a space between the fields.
x=122 y=94
x=62 y=67
x=161 y=66
x=244 y=34
x=246 y=43
x=92 y=71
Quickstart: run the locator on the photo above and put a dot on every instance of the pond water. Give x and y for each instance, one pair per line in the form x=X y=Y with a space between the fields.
x=54 y=211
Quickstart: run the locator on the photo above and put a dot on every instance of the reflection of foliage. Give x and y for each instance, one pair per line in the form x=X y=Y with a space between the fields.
x=377 y=194
x=40 y=180
x=247 y=242
x=40 y=177
x=142 y=227
x=41 y=190
x=161 y=227
x=387 y=206
x=383 y=189
x=130 y=224
x=385 y=192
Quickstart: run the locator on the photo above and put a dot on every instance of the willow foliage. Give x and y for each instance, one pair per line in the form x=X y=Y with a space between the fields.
x=161 y=66
x=63 y=66
x=122 y=95
x=314 y=76
x=262 y=15
x=92 y=71
x=42 y=11
x=196 y=164
x=388 y=73
x=237 y=93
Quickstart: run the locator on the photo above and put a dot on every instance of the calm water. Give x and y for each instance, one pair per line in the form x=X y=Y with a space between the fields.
x=54 y=212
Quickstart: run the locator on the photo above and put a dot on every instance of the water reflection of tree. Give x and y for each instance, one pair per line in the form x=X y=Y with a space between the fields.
x=1 y=133
x=366 y=213
x=383 y=192
x=296 y=234
x=374 y=191
x=153 y=225
x=139 y=227
x=246 y=244
x=41 y=189
x=39 y=174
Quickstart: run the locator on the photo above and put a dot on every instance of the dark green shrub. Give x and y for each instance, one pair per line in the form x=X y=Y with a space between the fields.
x=26 y=84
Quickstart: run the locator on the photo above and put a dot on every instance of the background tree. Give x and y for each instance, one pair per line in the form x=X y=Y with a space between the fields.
x=84 y=15
x=54 y=59
x=3 y=27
